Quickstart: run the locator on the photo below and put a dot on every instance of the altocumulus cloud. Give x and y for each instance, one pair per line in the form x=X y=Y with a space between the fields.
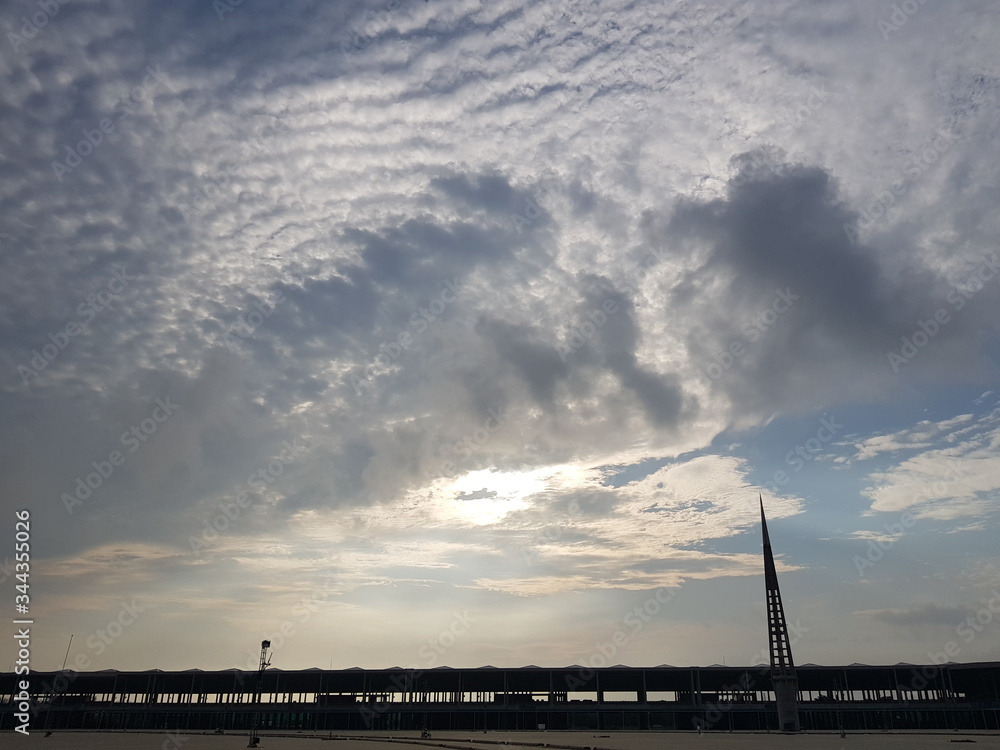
x=374 y=228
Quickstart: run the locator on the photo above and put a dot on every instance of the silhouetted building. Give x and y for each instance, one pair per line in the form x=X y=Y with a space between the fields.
x=904 y=696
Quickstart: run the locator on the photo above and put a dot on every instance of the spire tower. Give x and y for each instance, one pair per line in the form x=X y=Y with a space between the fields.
x=783 y=676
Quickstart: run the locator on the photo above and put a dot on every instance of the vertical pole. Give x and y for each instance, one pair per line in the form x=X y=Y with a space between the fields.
x=264 y=663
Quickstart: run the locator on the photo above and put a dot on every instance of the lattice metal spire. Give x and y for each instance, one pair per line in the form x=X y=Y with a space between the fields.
x=782 y=665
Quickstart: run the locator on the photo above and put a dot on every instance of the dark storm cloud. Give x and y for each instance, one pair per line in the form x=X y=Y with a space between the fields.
x=421 y=252
x=535 y=361
x=331 y=310
x=489 y=191
x=603 y=336
x=404 y=267
x=207 y=440
x=784 y=304
x=616 y=341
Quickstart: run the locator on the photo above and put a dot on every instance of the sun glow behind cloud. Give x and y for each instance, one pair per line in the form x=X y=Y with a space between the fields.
x=488 y=496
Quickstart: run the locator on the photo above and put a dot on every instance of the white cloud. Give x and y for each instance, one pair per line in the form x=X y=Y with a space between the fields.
x=921 y=435
x=944 y=483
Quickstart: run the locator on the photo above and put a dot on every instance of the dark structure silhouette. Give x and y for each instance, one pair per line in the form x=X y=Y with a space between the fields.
x=264 y=664
x=717 y=698
x=783 y=677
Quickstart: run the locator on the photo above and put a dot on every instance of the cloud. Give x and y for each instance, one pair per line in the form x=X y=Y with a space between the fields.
x=921 y=435
x=954 y=477
x=506 y=271
x=780 y=305
x=928 y=614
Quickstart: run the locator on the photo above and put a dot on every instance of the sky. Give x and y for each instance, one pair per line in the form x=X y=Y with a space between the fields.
x=461 y=333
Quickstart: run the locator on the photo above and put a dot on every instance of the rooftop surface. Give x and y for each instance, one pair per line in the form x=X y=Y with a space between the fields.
x=513 y=740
